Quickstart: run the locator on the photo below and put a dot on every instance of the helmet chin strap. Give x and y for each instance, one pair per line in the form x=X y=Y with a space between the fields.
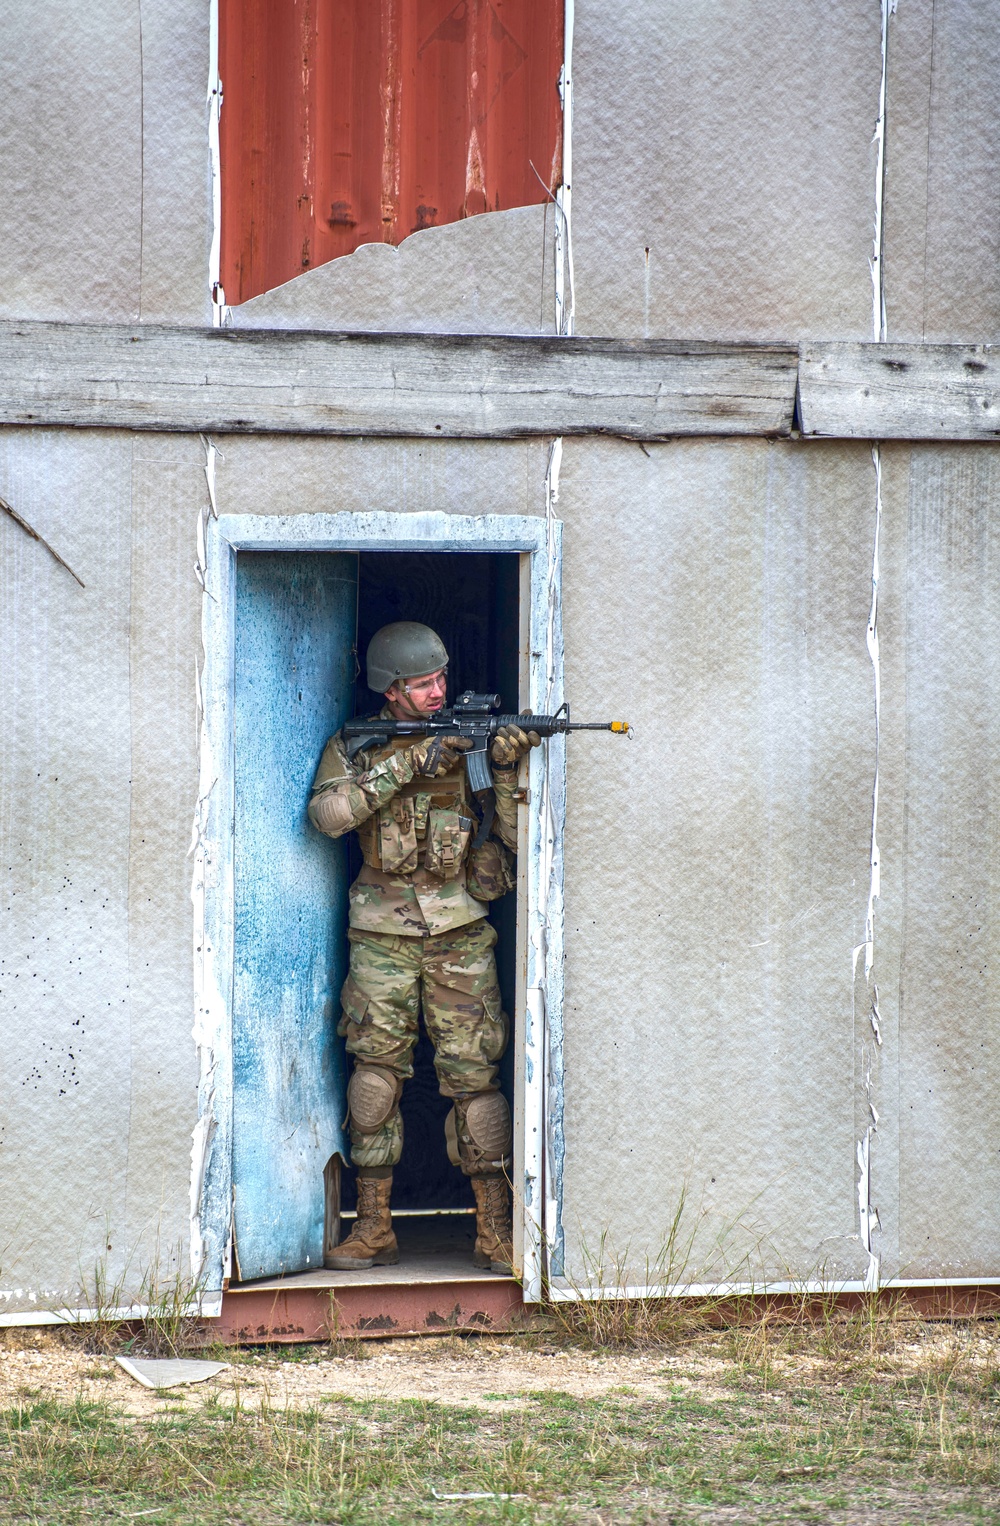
x=407 y=702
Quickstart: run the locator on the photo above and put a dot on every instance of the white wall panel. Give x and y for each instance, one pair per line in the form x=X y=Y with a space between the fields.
x=66 y=750
x=71 y=161
x=724 y=175
x=717 y=864
x=176 y=172
x=99 y=764
x=275 y=475
x=168 y=493
x=104 y=161
x=942 y=212
x=938 y=924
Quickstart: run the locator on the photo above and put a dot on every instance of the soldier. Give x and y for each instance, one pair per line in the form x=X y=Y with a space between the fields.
x=418 y=935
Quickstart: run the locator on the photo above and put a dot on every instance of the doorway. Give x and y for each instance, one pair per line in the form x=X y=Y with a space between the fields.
x=471 y=600
x=283 y=598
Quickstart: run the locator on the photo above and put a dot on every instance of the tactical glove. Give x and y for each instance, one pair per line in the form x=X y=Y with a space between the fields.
x=438 y=755
x=510 y=744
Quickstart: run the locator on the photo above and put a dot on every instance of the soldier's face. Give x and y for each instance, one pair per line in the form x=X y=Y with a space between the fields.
x=419 y=696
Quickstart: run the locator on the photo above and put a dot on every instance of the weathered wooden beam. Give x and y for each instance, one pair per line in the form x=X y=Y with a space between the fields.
x=900 y=391
x=488 y=387
x=438 y=386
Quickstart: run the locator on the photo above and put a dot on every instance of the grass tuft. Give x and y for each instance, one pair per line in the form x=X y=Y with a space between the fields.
x=170 y=1323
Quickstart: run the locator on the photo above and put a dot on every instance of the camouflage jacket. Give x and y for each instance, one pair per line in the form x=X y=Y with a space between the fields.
x=416 y=835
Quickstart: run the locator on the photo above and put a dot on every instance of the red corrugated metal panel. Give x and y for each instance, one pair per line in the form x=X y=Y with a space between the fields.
x=348 y=122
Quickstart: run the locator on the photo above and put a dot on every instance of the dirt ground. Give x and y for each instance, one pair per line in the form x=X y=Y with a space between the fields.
x=486 y=1374
x=490 y=1374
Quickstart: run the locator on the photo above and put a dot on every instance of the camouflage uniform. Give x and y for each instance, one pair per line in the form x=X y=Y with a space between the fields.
x=417 y=922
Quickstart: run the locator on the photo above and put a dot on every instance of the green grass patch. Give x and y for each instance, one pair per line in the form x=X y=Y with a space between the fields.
x=902 y=1448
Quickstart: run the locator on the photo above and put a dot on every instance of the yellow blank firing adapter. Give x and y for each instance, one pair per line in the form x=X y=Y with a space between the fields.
x=620 y=726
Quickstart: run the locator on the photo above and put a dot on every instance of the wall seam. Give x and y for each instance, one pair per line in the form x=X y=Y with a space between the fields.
x=871 y=1042
x=128 y=860
x=208 y=1020
x=142 y=154
x=551 y=877
x=220 y=311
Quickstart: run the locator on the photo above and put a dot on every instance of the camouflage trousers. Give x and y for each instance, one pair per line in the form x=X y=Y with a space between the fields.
x=453 y=976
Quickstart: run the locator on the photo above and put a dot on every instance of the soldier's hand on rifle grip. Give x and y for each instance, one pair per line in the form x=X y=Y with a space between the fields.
x=438 y=755
x=510 y=744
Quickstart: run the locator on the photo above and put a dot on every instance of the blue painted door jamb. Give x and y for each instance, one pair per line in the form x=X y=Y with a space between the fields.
x=294 y=675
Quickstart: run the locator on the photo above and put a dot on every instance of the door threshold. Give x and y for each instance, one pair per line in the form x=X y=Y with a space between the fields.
x=412 y=1269
x=432 y=1249
x=433 y=1290
x=416 y=1213
x=295 y=1310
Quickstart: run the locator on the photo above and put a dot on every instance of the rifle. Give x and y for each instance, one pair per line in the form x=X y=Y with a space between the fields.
x=474 y=716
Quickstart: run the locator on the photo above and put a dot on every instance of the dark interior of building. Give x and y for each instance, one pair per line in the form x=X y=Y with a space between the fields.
x=471 y=600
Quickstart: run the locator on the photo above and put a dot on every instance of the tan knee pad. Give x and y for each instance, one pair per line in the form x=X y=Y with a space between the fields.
x=482 y=1133
x=372 y=1097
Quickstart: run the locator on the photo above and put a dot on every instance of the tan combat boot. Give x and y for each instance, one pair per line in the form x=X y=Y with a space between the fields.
x=494 y=1230
x=371 y=1242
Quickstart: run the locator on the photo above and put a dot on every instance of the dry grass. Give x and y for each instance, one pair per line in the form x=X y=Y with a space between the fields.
x=170 y=1322
x=808 y=1413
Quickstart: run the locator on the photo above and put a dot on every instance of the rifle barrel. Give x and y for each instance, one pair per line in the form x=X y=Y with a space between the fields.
x=551 y=725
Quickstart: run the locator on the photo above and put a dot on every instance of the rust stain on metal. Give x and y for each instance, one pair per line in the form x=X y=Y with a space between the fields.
x=306 y=1311
x=380 y=1324
x=348 y=122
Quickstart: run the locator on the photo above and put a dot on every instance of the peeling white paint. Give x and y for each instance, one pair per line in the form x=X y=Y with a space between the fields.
x=869 y=1223
x=878 y=138
x=219 y=309
x=552 y=470
x=868 y=1212
x=545 y=928
x=201 y=1139
x=545 y=933
x=871 y=641
x=871 y=1044
x=199 y=566
x=560 y=1291
x=211 y=455
x=565 y=292
x=874 y=1017
x=211 y=1007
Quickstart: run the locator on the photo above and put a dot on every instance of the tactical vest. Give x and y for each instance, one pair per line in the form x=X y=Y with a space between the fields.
x=429 y=824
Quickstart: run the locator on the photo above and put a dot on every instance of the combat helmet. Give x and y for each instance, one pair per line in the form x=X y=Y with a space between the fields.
x=404 y=649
